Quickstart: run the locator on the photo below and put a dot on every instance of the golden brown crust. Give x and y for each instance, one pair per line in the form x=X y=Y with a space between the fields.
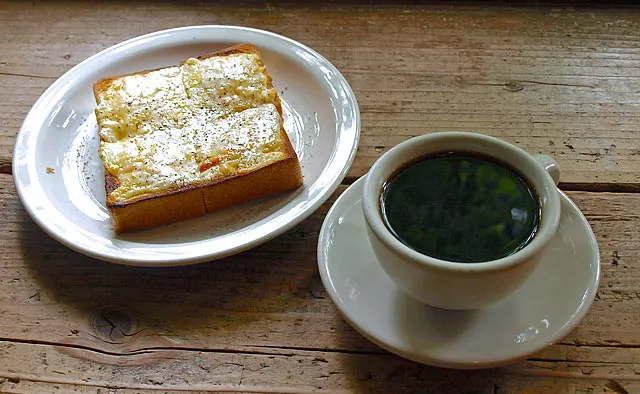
x=157 y=211
x=195 y=200
x=278 y=177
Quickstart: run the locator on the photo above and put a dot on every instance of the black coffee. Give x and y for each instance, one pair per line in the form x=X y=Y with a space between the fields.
x=460 y=207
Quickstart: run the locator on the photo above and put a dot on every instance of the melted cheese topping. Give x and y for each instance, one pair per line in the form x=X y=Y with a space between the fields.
x=187 y=125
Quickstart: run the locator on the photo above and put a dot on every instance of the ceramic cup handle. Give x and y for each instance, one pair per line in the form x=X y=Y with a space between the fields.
x=550 y=165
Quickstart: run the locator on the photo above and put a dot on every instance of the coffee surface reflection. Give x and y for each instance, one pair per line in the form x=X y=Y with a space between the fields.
x=460 y=207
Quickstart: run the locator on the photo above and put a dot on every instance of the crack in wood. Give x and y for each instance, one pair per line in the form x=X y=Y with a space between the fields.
x=600 y=187
x=147 y=350
x=26 y=75
x=310 y=349
x=564 y=360
x=79 y=347
x=114 y=324
x=250 y=351
x=517 y=85
x=557 y=84
x=610 y=344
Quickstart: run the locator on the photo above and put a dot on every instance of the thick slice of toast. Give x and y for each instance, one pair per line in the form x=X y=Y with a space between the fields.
x=179 y=142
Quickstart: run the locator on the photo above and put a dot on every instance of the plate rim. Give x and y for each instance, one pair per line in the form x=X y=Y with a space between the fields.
x=21 y=172
x=568 y=326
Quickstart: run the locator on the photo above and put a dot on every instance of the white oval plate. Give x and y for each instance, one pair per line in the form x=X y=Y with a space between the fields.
x=546 y=308
x=60 y=180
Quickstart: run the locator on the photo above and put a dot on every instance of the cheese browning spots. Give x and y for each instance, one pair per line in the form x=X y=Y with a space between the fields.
x=188 y=125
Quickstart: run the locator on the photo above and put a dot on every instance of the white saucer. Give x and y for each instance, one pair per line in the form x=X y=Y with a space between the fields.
x=60 y=178
x=543 y=311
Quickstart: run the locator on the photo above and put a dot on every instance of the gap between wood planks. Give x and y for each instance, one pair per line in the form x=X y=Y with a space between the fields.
x=571 y=186
x=10 y=74
x=538 y=369
x=262 y=350
x=5 y=168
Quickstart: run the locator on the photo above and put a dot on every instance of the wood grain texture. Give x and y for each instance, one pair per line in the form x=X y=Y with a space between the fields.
x=551 y=78
x=555 y=77
x=262 y=322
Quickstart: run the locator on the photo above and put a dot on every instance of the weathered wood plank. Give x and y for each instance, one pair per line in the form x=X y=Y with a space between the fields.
x=36 y=272
x=300 y=373
x=550 y=78
x=48 y=367
x=261 y=321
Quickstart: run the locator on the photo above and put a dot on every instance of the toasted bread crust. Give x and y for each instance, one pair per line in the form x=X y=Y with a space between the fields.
x=170 y=207
x=195 y=200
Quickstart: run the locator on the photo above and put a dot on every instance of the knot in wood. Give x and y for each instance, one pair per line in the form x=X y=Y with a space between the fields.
x=114 y=324
x=513 y=86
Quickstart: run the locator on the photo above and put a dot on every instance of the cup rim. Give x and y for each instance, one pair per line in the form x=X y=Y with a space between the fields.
x=544 y=186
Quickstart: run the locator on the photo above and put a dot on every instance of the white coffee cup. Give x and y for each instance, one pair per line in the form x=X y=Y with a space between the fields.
x=456 y=285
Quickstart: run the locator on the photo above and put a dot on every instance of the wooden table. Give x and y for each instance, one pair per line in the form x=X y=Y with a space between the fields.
x=553 y=78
